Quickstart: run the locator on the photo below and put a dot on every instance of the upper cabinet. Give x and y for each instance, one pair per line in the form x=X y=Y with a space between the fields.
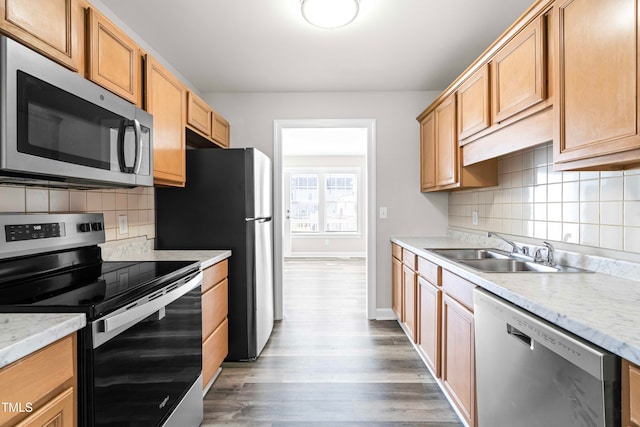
x=474 y=112
x=440 y=153
x=165 y=98
x=206 y=122
x=518 y=72
x=597 y=76
x=199 y=115
x=54 y=28
x=446 y=142
x=567 y=71
x=221 y=130
x=114 y=60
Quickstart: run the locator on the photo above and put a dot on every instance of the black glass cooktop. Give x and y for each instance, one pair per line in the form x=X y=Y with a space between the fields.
x=95 y=288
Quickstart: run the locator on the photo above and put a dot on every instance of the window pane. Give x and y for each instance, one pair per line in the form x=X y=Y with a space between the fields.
x=304 y=203
x=341 y=202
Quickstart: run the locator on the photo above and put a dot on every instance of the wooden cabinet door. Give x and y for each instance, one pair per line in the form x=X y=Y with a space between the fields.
x=165 y=99
x=427 y=153
x=474 y=112
x=429 y=316
x=396 y=287
x=597 y=83
x=58 y=412
x=447 y=167
x=199 y=114
x=54 y=28
x=221 y=130
x=409 y=296
x=518 y=72
x=630 y=394
x=114 y=59
x=458 y=358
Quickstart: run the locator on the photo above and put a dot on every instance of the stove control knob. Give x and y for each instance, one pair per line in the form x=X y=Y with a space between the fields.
x=84 y=227
x=96 y=226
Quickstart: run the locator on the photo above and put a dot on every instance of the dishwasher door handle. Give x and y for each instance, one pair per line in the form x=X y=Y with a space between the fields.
x=519 y=335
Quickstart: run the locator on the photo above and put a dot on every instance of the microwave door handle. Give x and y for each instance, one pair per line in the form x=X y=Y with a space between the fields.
x=124 y=124
x=138 y=136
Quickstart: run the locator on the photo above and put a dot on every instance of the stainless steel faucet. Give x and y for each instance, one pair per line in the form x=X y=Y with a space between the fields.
x=549 y=254
x=516 y=249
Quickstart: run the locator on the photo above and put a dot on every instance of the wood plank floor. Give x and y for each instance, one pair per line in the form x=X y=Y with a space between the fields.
x=327 y=365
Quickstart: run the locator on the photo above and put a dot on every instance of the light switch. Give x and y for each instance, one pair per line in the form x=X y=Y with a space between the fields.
x=383 y=212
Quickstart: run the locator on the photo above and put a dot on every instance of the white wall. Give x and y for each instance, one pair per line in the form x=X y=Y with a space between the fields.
x=410 y=212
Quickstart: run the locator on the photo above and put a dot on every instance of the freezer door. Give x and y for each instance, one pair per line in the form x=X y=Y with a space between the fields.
x=262 y=185
x=263 y=282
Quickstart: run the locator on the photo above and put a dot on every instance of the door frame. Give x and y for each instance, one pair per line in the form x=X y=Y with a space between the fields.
x=278 y=204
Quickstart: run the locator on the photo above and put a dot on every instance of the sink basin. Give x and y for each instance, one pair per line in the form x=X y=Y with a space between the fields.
x=507 y=266
x=492 y=260
x=481 y=253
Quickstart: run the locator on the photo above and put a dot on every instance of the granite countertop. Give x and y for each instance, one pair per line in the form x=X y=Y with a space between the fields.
x=600 y=308
x=206 y=257
x=23 y=333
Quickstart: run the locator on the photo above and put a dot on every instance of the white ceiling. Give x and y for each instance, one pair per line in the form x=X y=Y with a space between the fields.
x=266 y=45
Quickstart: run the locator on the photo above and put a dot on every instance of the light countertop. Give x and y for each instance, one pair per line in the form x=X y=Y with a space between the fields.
x=23 y=333
x=206 y=257
x=600 y=308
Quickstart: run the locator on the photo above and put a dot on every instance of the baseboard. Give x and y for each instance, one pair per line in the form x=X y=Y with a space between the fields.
x=327 y=255
x=385 y=314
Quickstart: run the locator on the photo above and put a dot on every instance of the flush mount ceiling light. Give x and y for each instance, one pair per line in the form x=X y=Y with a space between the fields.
x=330 y=13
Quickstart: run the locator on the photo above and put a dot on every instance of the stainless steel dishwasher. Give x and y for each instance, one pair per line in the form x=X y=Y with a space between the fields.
x=531 y=373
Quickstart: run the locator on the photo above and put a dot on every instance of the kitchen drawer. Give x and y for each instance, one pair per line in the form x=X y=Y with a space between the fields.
x=214 y=350
x=215 y=307
x=430 y=271
x=58 y=412
x=458 y=288
x=36 y=376
x=409 y=259
x=396 y=251
x=214 y=274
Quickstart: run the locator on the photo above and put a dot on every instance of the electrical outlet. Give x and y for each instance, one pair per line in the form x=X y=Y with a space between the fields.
x=383 y=212
x=123 y=225
x=474 y=217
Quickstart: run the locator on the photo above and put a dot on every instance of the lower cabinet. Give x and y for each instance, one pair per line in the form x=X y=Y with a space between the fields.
x=396 y=281
x=630 y=394
x=441 y=304
x=40 y=389
x=458 y=356
x=215 y=326
x=409 y=301
x=429 y=324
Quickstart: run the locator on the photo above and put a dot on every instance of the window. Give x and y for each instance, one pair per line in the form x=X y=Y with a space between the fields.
x=304 y=203
x=341 y=203
x=332 y=210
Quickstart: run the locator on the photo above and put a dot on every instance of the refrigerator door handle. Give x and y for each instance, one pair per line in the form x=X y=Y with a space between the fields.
x=261 y=219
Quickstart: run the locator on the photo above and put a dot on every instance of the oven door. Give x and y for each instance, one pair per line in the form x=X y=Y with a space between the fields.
x=147 y=361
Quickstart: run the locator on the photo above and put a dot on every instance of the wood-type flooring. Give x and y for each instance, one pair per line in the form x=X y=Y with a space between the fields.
x=327 y=365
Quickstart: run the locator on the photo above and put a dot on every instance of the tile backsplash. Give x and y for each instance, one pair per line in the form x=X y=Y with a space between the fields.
x=136 y=203
x=599 y=209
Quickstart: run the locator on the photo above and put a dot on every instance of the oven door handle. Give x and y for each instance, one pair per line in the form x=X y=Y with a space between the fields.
x=112 y=325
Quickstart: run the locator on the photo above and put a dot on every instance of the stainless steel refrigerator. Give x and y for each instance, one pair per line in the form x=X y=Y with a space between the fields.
x=227 y=204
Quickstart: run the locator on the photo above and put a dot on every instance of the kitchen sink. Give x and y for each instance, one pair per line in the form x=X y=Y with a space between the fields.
x=492 y=260
x=508 y=266
x=465 y=253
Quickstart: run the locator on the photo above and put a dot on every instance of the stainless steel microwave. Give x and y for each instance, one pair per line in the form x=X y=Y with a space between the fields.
x=59 y=129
